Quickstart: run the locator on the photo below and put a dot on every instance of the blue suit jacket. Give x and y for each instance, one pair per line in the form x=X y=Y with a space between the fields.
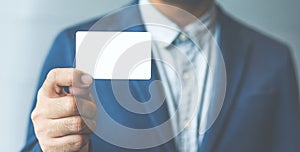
x=260 y=111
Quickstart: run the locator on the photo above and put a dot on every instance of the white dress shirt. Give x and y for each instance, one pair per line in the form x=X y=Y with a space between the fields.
x=184 y=71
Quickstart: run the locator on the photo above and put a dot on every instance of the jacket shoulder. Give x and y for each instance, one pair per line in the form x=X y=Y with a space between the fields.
x=260 y=40
x=69 y=32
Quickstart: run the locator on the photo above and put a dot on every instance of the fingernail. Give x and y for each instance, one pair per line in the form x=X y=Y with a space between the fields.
x=86 y=79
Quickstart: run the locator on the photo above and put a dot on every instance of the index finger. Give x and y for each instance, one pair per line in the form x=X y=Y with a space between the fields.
x=59 y=78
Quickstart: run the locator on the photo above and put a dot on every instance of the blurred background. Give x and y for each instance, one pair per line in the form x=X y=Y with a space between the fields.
x=27 y=29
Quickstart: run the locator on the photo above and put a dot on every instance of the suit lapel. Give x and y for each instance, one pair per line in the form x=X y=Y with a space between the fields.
x=132 y=21
x=159 y=116
x=234 y=49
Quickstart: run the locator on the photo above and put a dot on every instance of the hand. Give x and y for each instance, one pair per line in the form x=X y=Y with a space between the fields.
x=57 y=123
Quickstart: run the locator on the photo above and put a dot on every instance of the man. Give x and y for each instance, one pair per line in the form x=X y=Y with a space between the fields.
x=260 y=111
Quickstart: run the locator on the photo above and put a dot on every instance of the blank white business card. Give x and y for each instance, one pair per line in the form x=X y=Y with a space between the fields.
x=114 y=55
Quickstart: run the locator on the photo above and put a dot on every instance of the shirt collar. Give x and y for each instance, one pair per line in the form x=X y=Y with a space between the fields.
x=161 y=28
x=166 y=31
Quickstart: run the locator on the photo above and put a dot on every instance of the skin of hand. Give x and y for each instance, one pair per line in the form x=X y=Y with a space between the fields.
x=58 y=125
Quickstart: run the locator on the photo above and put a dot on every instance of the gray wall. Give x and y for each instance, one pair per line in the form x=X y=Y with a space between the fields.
x=28 y=27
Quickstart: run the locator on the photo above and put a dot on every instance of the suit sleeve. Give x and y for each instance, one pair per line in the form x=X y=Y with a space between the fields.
x=61 y=55
x=287 y=127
